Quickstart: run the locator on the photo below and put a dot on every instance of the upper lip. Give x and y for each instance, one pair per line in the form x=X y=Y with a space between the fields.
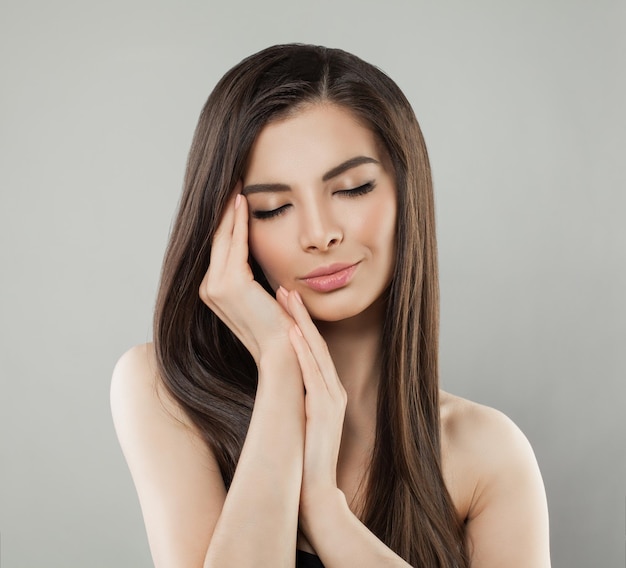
x=330 y=269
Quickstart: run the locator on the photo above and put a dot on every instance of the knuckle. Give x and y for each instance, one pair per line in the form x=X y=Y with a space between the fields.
x=210 y=290
x=343 y=396
x=324 y=348
x=202 y=292
x=205 y=297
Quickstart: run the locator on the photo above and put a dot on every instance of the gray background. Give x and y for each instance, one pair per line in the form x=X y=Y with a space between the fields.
x=522 y=106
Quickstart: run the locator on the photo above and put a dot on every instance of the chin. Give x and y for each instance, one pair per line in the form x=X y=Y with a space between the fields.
x=333 y=310
x=331 y=317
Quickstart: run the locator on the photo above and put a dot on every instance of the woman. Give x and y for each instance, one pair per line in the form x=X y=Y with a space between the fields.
x=289 y=409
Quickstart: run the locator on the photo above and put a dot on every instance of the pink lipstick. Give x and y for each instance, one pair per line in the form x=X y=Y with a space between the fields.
x=329 y=278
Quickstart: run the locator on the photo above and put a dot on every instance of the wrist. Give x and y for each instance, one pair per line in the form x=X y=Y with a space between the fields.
x=280 y=378
x=318 y=506
x=276 y=355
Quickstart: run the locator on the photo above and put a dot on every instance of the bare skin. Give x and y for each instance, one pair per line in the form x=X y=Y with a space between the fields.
x=304 y=456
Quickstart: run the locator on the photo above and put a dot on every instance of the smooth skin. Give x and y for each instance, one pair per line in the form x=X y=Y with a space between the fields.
x=299 y=479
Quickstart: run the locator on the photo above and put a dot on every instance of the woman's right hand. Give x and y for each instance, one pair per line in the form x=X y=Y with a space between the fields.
x=230 y=290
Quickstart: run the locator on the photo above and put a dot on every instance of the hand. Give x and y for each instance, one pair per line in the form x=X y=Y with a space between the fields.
x=230 y=290
x=325 y=403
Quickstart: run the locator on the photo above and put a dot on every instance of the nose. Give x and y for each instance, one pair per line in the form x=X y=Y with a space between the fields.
x=319 y=229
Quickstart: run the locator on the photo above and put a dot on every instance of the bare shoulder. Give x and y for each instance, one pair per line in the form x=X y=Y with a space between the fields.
x=138 y=360
x=136 y=387
x=473 y=429
x=135 y=373
x=146 y=417
x=178 y=481
x=493 y=478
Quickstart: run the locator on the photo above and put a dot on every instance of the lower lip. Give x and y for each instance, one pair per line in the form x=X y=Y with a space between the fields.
x=330 y=282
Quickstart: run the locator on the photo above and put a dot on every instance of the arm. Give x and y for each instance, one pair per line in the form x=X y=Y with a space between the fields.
x=337 y=535
x=190 y=519
x=186 y=510
x=177 y=479
x=259 y=520
x=341 y=539
x=507 y=523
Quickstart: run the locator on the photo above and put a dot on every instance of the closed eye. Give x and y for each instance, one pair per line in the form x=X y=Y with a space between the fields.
x=261 y=214
x=356 y=191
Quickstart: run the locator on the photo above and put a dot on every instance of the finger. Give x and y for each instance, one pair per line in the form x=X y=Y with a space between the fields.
x=311 y=375
x=315 y=342
x=220 y=247
x=299 y=311
x=225 y=226
x=239 y=243
x=302 y=317
x=282 y=297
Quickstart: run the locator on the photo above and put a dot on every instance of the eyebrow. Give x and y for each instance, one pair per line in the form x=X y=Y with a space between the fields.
x=330 y=174
x=264 y=187
x=348 y=165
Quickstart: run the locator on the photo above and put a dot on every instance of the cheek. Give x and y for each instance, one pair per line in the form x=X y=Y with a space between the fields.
x=266 y=249
x=378 y=225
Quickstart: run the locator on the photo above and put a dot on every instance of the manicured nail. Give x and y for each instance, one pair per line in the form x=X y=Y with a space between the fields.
x=282 y=291
x=237 y=200
x=298 y=331
x=298 y=297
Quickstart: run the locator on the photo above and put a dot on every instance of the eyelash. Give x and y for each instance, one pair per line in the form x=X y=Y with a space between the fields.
x=361 y=190
x=268 y=214
x=354 y=192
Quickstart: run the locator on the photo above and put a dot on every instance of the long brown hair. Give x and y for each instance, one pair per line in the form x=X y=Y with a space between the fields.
x=212 y=375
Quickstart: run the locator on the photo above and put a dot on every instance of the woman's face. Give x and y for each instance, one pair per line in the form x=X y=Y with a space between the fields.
x=322 y=204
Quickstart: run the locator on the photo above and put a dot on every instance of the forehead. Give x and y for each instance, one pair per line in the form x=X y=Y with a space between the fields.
x=309 y=143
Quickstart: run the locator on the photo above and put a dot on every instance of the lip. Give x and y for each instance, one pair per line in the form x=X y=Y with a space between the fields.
x=329 y=278
x=330 y=269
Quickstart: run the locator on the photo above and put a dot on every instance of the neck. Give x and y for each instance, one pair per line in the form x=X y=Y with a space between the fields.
x=354 y=345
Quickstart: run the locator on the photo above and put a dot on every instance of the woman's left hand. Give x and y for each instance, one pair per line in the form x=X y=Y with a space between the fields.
x=336 y=534
x=325 y=405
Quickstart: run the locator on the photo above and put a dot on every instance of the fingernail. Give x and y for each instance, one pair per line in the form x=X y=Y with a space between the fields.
x=237 y=200
x=298 y=331
x=282 y=291
x=298 y=297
